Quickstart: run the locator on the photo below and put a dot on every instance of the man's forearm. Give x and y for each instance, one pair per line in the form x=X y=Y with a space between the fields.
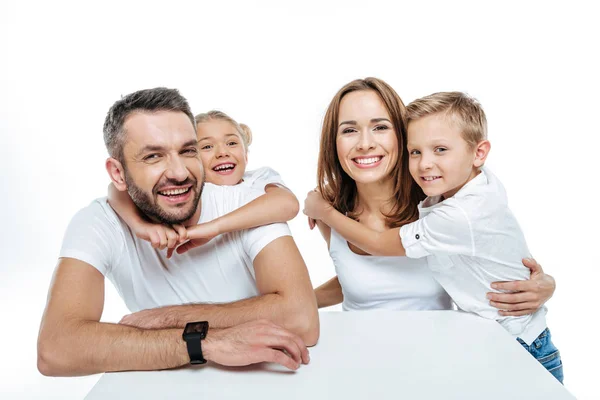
x=88 y=347
x=269 y=306
x=386 y=243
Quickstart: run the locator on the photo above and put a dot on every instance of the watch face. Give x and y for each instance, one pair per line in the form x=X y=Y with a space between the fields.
x=196 y=327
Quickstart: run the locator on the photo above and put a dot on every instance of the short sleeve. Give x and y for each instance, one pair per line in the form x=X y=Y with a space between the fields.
x=256 y=239
x=92 y=238
x=445 y=230
x=260 y=178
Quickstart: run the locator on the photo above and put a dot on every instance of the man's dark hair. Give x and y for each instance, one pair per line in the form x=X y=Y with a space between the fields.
x=147 y=100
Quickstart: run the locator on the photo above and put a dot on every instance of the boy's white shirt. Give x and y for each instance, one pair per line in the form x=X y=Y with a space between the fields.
x=220 y=271
x=471 y=240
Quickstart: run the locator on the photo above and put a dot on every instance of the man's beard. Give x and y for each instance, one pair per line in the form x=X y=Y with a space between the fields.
x=146 y=203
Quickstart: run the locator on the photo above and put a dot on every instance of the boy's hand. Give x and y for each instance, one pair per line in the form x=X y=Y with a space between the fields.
x=199 y=235
x=315 y=206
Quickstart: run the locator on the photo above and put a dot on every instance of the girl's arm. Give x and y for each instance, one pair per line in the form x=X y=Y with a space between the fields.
x=276 y=205
x=329 y=293
x=161 y=236
x=386 y=243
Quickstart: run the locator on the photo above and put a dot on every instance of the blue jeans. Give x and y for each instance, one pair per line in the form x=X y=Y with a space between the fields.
x=546 y=353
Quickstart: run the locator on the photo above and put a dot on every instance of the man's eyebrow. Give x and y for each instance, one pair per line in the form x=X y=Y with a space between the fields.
x=191 y=142
x=149 y=148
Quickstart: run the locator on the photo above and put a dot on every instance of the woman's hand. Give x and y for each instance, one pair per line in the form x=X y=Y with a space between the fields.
x=525 y=297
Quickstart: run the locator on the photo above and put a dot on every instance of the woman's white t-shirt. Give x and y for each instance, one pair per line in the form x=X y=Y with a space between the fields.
x=393 y=283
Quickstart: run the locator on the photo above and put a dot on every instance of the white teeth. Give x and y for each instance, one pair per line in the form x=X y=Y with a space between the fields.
x=430 y=178
x=370 y=160
x=174 y=192
x=223 y=166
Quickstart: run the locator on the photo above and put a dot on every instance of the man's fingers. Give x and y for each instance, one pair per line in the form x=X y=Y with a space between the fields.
x=511 y=298
x=292 y=343
x=311 y=223
x=517 y=313
x=276 y=356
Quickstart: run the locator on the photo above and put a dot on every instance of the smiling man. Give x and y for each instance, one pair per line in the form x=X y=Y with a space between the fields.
x=252 y=283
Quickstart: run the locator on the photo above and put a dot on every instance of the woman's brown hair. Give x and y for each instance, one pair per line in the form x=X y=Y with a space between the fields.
x=338 y=188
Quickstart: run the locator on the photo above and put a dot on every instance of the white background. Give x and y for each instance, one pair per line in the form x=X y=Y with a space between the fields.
x=276 y=67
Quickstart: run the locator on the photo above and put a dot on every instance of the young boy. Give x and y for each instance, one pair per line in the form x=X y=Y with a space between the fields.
x=465 y=228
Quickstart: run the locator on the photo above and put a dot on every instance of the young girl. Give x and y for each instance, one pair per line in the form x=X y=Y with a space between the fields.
x=223 y=148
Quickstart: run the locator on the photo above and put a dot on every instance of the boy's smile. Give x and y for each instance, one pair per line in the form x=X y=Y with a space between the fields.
x=440 y=160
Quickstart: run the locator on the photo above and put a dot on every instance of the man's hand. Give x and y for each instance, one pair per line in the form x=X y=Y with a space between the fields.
x=198 y=235
x=254 y=342
x=315 y=206
x=153 y=318
x=527 y=296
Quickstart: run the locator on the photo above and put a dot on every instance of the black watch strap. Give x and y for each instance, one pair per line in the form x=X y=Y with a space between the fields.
x=194 y=348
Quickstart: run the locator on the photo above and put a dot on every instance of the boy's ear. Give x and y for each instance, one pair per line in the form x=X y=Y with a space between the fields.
x=117 y=173
x=481 y=152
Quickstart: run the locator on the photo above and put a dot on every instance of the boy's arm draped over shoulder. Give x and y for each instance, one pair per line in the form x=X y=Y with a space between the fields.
x=386 y=243
x=445 y=230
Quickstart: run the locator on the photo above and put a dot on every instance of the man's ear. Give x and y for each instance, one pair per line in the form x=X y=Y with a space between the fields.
x=117 y=173
x=481 y=152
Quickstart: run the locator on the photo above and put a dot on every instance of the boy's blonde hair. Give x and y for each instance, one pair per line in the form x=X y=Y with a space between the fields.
x=459 y=107
x=243 y=129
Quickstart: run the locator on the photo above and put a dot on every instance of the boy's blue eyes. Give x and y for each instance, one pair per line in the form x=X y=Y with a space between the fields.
x=436 y=150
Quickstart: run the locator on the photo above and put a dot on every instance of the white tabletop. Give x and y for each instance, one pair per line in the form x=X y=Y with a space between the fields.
x=368 y=355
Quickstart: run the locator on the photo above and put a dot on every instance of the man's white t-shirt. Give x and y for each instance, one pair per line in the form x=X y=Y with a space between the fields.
x=220 y=271
x=471 y=240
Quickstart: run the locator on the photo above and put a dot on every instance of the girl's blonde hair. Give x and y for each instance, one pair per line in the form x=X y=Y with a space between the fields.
x=243 y=129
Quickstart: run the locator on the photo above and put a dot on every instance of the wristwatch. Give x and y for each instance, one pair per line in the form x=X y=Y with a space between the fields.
x=193 y=334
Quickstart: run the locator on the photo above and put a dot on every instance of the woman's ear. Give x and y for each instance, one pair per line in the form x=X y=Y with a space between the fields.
x=481 y=152
x=117 y=173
